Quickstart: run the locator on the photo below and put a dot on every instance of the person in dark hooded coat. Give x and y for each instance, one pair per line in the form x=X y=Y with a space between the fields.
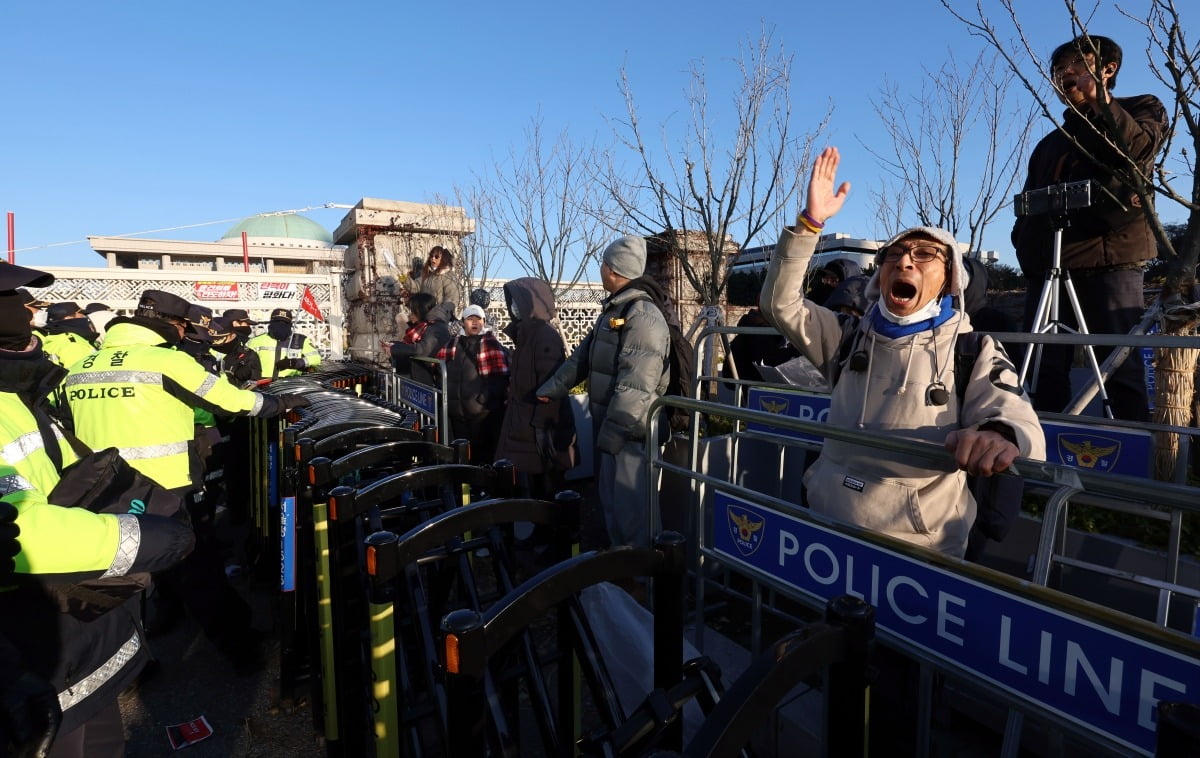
x=825 y=280
x=537 y=437
x=429 y=335
x=984 y=317
x=850 y=297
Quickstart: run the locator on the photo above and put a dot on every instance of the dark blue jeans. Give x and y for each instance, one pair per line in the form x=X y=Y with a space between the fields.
x=1112 y=302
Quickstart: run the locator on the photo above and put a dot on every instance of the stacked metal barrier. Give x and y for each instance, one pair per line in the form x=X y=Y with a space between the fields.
x=405 y=607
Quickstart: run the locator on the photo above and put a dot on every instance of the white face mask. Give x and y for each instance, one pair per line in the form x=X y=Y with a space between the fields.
x=39 y=318
x=931 y=309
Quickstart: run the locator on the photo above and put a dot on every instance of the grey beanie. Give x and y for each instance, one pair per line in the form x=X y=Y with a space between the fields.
x=626 y=257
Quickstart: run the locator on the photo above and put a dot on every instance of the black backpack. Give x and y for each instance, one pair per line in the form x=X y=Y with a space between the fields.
x=681 y=366
x=998 y=497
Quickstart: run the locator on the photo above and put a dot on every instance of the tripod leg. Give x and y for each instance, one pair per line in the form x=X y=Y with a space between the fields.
x=1090 y=350
x=1114 y=360
x=1033 y=351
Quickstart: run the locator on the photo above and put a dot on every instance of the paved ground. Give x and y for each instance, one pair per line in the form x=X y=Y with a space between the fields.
x=193 y=680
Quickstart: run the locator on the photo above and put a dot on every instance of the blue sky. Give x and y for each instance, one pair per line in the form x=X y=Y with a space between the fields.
x=131 y=116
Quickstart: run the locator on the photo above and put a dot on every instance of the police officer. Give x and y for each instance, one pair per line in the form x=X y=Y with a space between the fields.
x=62 y=341
x=68 y=318
x=230 y=331
x=137 y=393
x=282 y=351
x=236 y=360
x=90 y=652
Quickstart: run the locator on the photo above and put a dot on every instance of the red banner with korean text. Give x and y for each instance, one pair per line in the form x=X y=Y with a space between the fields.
x=215 y=291
x=309 y=304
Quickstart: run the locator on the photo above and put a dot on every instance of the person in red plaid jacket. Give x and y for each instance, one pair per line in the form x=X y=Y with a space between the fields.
x=476 y=385
x=428 y=333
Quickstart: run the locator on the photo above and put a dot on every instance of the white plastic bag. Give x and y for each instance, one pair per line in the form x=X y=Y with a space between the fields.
x=624 y=632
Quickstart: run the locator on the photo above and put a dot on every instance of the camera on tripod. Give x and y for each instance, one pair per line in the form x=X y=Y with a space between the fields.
x=1057 y=198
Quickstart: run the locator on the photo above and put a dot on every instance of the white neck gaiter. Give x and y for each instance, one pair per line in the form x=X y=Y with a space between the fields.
x=931 y=309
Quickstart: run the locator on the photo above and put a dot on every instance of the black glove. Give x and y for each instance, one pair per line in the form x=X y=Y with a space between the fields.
x=294 y=401
x=9 y=546
x=287 y=363
x=29 y=710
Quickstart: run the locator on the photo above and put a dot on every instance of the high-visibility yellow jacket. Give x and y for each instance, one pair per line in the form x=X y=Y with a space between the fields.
x=53 y=540
x=295 y=346
x=89 y=655
x=65 y=348
x=137 y=394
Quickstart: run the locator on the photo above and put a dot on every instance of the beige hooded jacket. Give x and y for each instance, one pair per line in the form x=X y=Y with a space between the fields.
x=904 y=497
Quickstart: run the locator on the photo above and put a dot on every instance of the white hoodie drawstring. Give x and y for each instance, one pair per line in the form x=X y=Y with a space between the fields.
x=862 y=407
x=912 y=344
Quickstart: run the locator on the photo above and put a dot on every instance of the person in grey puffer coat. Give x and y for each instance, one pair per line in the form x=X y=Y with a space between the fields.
x=898 y=379
x=625 y=360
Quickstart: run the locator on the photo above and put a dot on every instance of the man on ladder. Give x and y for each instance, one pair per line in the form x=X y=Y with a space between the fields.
x=1104 y=244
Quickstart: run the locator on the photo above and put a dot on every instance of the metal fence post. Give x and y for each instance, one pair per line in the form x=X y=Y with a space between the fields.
x=466 y=704
x=846 y=688
x=668 y=624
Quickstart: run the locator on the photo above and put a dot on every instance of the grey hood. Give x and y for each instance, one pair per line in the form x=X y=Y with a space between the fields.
x=530 y=297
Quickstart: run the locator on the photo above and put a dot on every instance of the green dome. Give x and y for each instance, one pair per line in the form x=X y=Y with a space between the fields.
x=284 y=225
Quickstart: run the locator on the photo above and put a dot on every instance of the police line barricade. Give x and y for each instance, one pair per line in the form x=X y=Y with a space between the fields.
x=1078 y=666
x=473 y=642
x=355 y=466
x=396 y=502
x=1097 y=447
x=430 y=401
x=408 y=575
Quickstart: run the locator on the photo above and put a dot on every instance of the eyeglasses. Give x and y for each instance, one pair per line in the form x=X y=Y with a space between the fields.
x=918 y=253
x=1074 y=62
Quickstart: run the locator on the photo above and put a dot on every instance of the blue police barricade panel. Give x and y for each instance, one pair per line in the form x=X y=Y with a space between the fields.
x=806 y=406
x=1147 y=354
x=419 y=397
x=287 y=547
x=763 y=466
x=1117 y=451
x=1096 y=676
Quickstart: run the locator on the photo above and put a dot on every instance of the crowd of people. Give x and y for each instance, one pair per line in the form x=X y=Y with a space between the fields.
x=159 y=386
x=84 y=538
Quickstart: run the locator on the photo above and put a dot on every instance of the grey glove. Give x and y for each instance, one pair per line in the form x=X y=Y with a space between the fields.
x=288 y=363
x=291 y=402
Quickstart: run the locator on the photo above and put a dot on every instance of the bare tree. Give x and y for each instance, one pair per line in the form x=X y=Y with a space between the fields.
x=545 y=208
x=963 y=122
x=727 y=179
x=1175 y=62
x=480 y=256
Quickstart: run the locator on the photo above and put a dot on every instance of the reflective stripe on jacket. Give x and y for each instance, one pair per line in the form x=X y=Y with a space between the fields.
x=137 y=395
x=295 y=346
x=53 y=540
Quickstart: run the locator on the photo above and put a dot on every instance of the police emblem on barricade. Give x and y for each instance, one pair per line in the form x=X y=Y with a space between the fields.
x=1088 y=451
x=773 y=403
x=746 y=529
